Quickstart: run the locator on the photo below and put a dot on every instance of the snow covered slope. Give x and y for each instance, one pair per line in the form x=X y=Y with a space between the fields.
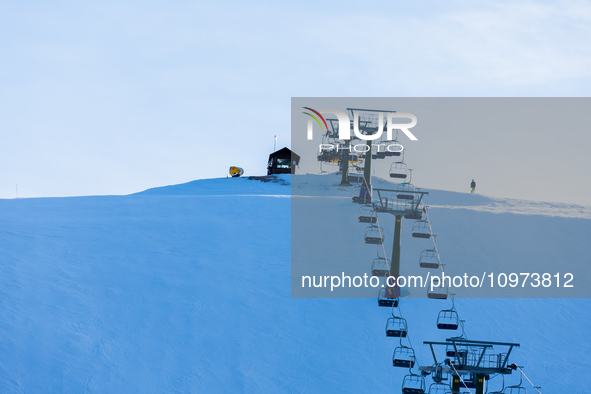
x=186 y=289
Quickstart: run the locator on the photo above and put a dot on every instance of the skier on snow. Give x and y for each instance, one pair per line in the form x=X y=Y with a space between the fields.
x=473 y=185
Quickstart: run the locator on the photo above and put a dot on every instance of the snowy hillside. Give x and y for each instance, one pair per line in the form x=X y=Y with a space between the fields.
x=187 y=289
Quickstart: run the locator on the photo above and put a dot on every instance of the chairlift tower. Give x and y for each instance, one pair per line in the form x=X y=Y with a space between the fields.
x=344 y=164
x=470 y=363
x=367 y=124
x=342 y=154
x=390 y=201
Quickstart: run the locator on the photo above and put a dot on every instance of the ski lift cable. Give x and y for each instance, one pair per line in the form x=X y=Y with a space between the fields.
x=378 y=224
x=440 y=266
x=435 y=246
x=407 y=336
x=431 y=232
x=439 y=257
x=461 y=378
x=425 y=209
x=523 y=373
x=442 y=270
x=464 y=336
x=398 y=306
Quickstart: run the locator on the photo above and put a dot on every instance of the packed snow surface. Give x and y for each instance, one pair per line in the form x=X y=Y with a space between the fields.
x=186 y=289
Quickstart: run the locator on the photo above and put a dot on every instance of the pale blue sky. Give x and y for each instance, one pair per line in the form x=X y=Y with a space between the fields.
x=117 y=97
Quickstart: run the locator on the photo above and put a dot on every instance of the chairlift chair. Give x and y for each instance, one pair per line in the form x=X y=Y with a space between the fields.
x=324 y=156
x=386 y=297
x=393 y=154
x=390 y=153
x=380 y=267
x=462 y=353
x=516 y=389
x=353 y=157
x=403 y=357
x=396 y=327
x=405 y=191
x=353 y=178
x=374 y=235
x=381 y=150
x=376 y=148
x=399 y=171
x=439 y=293
x=367 y=214
x=418 y=215
x=328 y=156
x=429 y=259
x=413 y=384
x=362 y=194
x=448 y=320
x=502 y=390
x=356 y=193
x=355 y=174
x=421 y=229
x=439 y=388
x=397 y=154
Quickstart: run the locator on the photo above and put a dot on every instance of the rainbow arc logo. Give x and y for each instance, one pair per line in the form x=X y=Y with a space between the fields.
x=315 y=118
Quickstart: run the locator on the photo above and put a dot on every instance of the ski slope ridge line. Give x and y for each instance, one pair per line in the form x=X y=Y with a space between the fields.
x=310 y=185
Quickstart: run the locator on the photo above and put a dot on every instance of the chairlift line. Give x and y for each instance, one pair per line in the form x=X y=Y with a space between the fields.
x=405 y=201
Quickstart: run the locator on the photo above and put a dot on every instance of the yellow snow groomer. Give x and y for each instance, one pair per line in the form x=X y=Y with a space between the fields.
x=236 y=171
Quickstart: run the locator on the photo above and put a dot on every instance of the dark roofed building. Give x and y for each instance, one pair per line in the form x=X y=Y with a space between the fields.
x=282 y=161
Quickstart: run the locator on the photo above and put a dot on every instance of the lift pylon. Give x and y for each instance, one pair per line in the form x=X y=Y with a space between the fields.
x=388 y=202
x=470 y=368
